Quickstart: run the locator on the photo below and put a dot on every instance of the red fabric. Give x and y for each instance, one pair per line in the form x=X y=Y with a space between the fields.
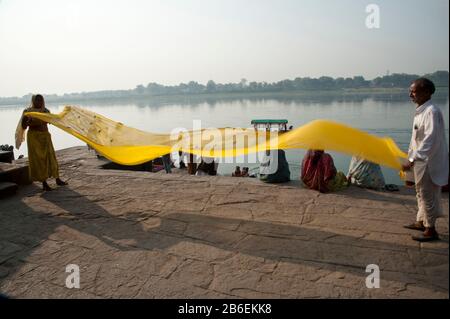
x=317 y=170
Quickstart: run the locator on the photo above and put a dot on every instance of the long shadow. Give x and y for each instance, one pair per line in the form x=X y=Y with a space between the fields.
x=273 y=242
x=381 y=196
x=361 y=193
x=22 y=230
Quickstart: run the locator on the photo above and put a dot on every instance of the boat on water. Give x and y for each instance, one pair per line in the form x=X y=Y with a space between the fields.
x=271 y=124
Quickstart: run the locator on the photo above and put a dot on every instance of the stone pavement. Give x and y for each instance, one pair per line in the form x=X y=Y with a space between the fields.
x=146 y=235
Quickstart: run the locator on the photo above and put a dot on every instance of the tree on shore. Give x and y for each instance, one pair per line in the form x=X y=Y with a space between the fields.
x=323 y=83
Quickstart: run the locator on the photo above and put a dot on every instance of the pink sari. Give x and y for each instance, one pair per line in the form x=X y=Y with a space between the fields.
x=317 y=170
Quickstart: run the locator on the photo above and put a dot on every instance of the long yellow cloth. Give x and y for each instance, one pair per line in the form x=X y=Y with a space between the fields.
x=128 y=146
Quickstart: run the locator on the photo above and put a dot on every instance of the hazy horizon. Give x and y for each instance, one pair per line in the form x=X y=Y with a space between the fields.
x=58 y=47
x=133 y=87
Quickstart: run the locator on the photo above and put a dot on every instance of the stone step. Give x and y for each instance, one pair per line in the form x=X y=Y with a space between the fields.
x=6 y=156
x=7 y=189
x=14 y=173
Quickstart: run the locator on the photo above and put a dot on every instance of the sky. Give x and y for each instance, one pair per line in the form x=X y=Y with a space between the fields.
x=63 y=46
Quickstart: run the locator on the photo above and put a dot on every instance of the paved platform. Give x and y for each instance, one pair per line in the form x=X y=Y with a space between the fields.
x=146 y=235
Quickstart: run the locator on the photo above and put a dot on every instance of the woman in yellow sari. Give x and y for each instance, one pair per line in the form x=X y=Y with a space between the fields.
x=41 y=154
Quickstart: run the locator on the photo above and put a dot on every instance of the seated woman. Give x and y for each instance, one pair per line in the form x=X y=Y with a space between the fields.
x=274 y=167
x=365 y=174
x=237 y=172
x=207 y=166
x=319 y=173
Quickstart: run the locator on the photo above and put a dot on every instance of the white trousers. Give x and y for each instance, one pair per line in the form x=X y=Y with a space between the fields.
x=429 y=201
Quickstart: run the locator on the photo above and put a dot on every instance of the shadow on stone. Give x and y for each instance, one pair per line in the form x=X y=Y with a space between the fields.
x=275 y=242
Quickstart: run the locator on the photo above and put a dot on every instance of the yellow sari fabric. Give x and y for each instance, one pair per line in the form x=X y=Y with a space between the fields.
x=41 y=156
x=128 y=146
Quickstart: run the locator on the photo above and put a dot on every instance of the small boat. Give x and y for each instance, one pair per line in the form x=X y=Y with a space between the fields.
x=269 y=124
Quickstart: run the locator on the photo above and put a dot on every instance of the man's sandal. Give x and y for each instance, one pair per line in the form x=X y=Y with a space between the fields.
x=415 y=226
x=426 y=238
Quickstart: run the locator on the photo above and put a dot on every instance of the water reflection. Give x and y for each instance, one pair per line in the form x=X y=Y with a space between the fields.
x=281 y=98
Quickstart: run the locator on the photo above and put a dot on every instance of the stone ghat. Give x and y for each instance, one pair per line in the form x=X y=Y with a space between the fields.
x=147 y=235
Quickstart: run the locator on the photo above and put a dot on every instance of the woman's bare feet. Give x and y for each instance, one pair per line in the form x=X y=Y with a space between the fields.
x=60 y=182
x=46 y=187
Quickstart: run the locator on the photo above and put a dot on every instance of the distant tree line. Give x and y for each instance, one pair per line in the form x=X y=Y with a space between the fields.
x=324 y=83
x=440 y=78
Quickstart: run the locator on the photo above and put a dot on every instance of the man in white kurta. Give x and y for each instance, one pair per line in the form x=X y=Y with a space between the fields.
x=428 y=157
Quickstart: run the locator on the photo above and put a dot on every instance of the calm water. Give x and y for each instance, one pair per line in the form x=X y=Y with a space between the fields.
x=380 y=115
